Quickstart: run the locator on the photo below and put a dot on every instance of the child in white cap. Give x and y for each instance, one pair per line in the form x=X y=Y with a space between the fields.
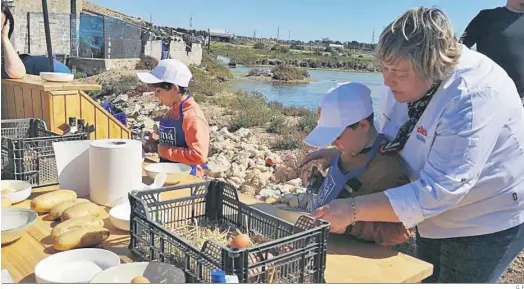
x=183 y=131
x=346 y=120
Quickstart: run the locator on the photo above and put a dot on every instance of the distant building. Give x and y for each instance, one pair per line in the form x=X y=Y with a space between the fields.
x=336 y=45
x=216 y=35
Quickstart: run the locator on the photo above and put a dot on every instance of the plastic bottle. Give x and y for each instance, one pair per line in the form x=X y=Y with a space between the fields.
x=218 y=276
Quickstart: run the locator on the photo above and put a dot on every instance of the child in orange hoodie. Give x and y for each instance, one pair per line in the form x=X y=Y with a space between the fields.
x=183 y=131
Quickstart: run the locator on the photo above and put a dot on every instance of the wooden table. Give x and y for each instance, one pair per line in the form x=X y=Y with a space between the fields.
x=55 y=102
x=348 y=261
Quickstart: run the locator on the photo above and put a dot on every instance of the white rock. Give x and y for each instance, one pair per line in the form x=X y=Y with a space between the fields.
x=248 y=190
x=301 y=190
x=213 y=128
x=149 y=124
x=269 y=193
x=243 y=132
x=294 y=182
x=237 y=180
x=263 y=147
x=287 y=188
x=150 y=106
x=218 y=165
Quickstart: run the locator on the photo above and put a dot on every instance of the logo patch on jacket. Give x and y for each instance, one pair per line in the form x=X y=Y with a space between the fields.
x=167 y=135
x=422 y=133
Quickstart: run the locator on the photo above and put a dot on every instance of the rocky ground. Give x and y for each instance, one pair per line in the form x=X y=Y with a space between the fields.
x=244 y=158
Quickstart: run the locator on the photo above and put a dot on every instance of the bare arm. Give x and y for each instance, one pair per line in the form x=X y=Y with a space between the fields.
x=14 y=68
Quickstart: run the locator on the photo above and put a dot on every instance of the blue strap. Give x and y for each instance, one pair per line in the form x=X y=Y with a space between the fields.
x=354 y=173
x=180 y=111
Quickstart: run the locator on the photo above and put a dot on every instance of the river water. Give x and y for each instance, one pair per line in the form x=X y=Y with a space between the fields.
x=309 y=95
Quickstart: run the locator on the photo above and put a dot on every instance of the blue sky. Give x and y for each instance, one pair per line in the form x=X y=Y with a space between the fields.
x=343 y=20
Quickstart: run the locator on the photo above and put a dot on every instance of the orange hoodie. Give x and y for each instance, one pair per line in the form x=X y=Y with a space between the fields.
x=196 y=130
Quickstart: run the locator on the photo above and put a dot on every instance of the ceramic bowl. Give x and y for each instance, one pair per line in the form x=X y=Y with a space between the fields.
x=15 y=191
x=120 y=215
x=175 y=171
x=75 y=266
x=15 y=221
x=155 y=272
x=57 y=76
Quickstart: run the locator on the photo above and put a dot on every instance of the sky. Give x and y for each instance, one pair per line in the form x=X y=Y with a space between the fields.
x=343 y=20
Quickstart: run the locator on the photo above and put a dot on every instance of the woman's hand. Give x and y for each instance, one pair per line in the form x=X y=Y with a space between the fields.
x=339 y=213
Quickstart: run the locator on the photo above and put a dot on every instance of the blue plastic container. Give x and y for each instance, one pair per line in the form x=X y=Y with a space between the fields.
x=218 y=276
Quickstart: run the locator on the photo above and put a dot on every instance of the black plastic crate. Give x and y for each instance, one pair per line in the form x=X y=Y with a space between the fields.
x=293 y=253
x=27 y=151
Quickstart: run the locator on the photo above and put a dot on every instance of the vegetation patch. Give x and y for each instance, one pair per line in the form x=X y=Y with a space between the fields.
x=288 y=73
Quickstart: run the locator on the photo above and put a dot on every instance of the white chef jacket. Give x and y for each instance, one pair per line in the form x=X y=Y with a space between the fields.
x=465 y=155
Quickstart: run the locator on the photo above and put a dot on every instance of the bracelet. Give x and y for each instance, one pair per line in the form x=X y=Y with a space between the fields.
x=354 y=211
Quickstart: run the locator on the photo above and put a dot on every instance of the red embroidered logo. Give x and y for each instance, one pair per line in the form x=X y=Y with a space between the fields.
x=421 y=130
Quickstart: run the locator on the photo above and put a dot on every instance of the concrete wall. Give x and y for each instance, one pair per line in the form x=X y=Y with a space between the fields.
x=92 y=66
x=21 y=10
x=153 y=48
x=60 y=27
x=177 y=50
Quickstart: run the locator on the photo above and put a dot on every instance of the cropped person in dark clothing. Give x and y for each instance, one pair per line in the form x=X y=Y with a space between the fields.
x=36 y=64
x=499 y=34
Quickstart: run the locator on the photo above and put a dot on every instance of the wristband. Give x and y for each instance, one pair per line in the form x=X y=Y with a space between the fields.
x=352 y=201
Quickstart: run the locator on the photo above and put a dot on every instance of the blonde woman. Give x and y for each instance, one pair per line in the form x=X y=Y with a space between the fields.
x=455 y=117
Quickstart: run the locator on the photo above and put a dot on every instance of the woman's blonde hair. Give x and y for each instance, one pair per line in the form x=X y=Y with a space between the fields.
x=426 y=37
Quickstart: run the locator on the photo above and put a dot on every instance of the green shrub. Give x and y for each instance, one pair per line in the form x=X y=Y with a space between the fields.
x=120 y=86
x=215 y=69
x=146 y=63
x=277 y=124
x=308 y=122
x=80 y=74
x=285 y=72
x=259 y=45
x=252 y=110
x=252 y=117
x=255 y=72
x=289 y=139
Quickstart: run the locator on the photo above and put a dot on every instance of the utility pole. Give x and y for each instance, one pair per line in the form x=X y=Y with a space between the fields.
x=289 y=35
x=208 y=40
x=151 y=33
x=191 y=21
x=373 y=37
x=255 y=34
x=278 y=33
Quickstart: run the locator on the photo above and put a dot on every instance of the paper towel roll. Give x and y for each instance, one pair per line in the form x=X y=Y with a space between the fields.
x=115 y=169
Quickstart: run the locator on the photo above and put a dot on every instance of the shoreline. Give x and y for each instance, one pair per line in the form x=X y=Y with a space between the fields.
x=309 y=68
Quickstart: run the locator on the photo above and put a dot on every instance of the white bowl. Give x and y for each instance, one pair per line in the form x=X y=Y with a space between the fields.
x=15 y=221
x=57 y=76
x=21 y=190
x=120 y=215
x=174 y=171
x=75 y=266
x=156 y=272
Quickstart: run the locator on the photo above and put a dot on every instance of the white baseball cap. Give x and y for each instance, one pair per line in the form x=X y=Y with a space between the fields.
x=343 y=106
x=167 y=70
